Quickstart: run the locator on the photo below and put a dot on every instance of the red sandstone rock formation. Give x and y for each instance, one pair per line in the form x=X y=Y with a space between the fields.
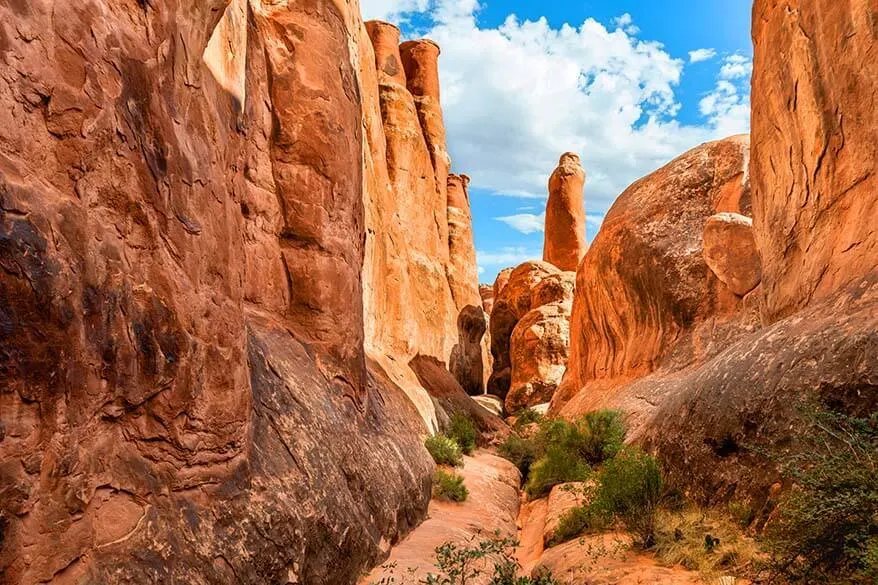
x=181 y=242
x=539 y=344
x=487 y=294
x=813 y=206
x=730 y=251
x=814 y=164
x=564 y=243
x=420 y=260
x=513 y=303
x=631 y=313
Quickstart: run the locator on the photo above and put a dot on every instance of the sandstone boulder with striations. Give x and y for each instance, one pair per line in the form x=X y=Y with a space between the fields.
x=487 y=294
x=564 y=242
x=644 y=286
x=730 y=251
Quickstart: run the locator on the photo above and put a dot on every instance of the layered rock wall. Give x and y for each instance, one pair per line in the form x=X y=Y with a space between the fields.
x=204 y=247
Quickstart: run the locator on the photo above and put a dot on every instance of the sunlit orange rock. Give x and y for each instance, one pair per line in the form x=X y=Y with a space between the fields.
x=564 y=241
x=730 y=251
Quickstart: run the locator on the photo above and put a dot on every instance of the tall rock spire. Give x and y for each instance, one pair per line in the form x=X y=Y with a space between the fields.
x=565 y=244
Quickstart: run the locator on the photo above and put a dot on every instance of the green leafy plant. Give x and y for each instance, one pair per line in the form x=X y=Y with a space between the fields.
x=630 y=488
x=462 y=430
x=449 y=486
x=558 y=465
x=444 y=450
x=522 y=452
x=578 y=521
x=526 y=417
x=600 y=435
x=826 y=531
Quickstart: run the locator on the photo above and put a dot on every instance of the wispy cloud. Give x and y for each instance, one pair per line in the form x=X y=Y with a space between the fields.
x=699 y=55
x=507 y=256
x=526 y=223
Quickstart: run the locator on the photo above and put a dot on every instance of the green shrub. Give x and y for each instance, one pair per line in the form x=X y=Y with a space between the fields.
x=630 y=487
x=558 y=465
x=449 y=486
x=520 y=451
x=526 y=417
x=599 y=435
x=826 y=531
x=463 y=431
x=444 y=450
x=463 y=564
x=580 y=520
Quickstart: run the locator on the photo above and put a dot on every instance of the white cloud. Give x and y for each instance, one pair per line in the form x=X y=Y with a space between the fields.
x=507 y=256
x=626 y=23
x=699 y=55
x=518 y=95
x=736 y=67
x=391 y=10
x=526 y=223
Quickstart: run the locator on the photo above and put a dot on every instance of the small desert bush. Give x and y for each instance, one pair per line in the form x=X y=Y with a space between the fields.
x=522 y=452
x=578 y=521
x=826 y=531
x=558 y=465
x=462 y=430
x=449 y=486
x=462 y=564
x=575 y=446
x=630 y=489
x=706 y=541
x=600 y=435
x=444 y=450
x=526 y=417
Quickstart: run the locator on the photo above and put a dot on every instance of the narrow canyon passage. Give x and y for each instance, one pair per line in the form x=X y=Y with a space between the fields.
x=497 y=506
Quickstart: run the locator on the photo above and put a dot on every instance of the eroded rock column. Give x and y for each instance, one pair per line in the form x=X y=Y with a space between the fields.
x=564 y=244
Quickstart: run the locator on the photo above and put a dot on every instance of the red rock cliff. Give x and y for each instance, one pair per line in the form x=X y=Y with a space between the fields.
x=186 y=393
x=815 y=148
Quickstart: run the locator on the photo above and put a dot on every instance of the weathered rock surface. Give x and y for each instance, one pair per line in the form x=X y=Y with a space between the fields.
x=487 y=294
x=813 y=196
x=512 y=303
x=501 y=281
x=564 y=243
x=421 y=277
x=562 y=499
x=730 y=251
x=538 y=352
x=814 y=163
x=185 y=192
x=643 y=286
x=492 y=505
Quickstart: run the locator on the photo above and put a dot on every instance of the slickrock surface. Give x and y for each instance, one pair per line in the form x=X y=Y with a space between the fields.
x=511 y=304
x=421 y=284
x=470 y=358
x=562 y=499
x=492 y=505
x=564 y=243
x=701 y=397
x=814 y=164
x=730 y=251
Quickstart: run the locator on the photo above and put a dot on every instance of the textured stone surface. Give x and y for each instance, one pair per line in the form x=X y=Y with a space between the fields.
x=512 y=303
x=564 y=244
x=487 y=294
x=814 y=164
x=562 y=499
x=644 y=285
x=730 y=251
x=538 y=352
x=492 y=506
x=186 y=393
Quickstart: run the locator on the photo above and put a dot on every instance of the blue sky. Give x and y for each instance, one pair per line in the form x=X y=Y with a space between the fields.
x=627 y=85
